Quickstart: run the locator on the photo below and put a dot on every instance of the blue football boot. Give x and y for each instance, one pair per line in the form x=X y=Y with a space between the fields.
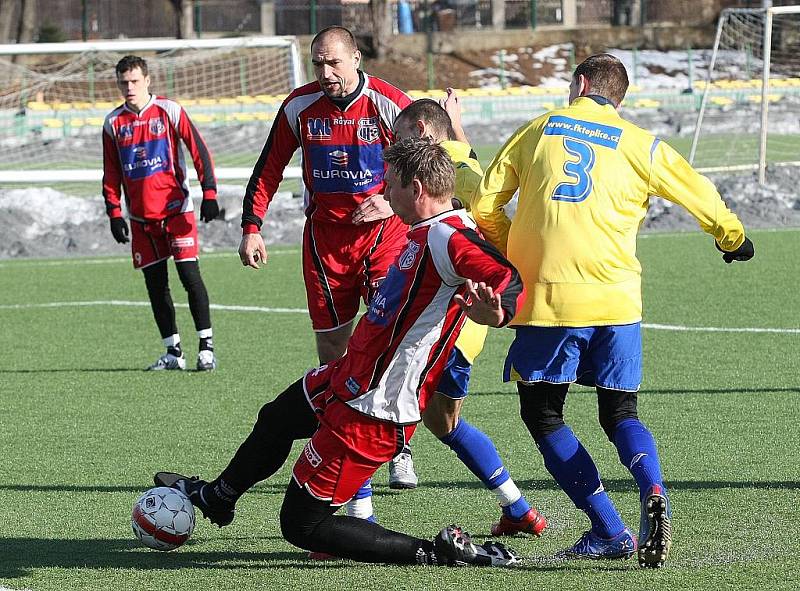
x=590 y=545
x=655 y=528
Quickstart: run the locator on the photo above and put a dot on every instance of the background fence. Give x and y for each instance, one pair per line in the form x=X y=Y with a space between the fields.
x=60 y=20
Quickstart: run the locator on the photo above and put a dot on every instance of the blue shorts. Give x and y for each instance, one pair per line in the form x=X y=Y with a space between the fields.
x=455 y=378
x=605 y=356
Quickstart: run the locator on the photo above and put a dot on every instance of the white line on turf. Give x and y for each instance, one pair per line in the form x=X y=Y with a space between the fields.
x=119 y=260
x=147 y=304
x=668 y=327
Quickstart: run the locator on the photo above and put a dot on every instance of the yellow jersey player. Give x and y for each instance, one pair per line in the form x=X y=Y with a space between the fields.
x=442 y=124
x=585 y=177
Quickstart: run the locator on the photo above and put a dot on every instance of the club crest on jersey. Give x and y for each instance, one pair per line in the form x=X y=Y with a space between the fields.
x=157 y=126
x=406 y=260
x=318 y=128
x=339 y=158
x=368 y=130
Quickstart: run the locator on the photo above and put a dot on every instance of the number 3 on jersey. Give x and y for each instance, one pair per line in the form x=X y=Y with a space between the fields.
x=578 y=172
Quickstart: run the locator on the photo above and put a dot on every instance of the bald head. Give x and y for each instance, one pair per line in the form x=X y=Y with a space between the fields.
x=336 y=34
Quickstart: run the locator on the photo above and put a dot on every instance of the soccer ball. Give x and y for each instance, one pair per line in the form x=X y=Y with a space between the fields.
x=163 y=518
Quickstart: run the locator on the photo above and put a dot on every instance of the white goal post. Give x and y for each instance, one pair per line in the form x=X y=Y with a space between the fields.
x=755 y=63
x=54 y=98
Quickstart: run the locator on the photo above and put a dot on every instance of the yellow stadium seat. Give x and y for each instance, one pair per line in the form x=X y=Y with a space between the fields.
x=721 y=101
x=187 y=102
x=206 y=102
x=82 y=105
x=56 y=123
x=95 y=121
x=202 y=118
x=62 y=106
x=246 y=100
x=105 y=105
x=38 y=106
x=228 y=101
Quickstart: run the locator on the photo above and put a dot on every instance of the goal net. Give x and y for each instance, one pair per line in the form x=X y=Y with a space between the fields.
x=750 y=110
x=55 y=97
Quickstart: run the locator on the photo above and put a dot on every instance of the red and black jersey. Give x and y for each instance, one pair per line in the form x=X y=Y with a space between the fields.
x=342 y=150
x=142 y=153
x=400 y=346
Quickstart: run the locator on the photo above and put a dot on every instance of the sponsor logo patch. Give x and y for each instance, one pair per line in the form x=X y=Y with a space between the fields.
x=353 y=386
x=318 y=128
x=187 y=242
x=125 y=132
x=311 y=455
x=339 y=158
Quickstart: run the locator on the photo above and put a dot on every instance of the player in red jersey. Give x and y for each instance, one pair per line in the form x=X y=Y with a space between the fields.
x=361 y=408
x=142 y=153
x=341 y=122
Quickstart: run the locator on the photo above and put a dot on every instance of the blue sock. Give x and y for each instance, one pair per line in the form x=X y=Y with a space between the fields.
x=479 y=454
x=575 y=472
x=365 y=490
x=637 y=452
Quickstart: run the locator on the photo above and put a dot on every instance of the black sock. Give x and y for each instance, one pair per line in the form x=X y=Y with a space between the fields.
x=175 y=350
x=206 y=344
x=219 y=493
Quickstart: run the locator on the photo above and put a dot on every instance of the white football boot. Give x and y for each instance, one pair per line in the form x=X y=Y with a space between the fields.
x=206 y=361
x=401 y=472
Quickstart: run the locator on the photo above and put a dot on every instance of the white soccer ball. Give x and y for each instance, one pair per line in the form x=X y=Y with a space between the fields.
x=163 y=518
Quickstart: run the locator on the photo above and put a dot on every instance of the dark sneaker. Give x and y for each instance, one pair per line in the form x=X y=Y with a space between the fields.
x=655 y=528
x=454 y=547
x=192 y=487
x=590 y=545
x=531 y=523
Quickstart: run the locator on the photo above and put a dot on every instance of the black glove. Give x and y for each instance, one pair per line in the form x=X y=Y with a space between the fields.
x=744 y=253
x=209 y=209
x=119 y=229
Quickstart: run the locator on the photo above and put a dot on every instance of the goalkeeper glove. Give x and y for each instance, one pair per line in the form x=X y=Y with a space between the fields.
x=745 y=252
x=209 y=208
x=119 y=229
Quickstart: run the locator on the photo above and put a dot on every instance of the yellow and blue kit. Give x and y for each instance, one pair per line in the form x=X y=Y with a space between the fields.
x=585 y=177
x=468 y=177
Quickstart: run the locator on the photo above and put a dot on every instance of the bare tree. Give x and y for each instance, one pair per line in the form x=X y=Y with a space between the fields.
x=27 y=21
x=184 y=16
x=381 y=26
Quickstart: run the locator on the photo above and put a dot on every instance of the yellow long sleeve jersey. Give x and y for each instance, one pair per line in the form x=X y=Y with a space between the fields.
x=585 y=177
x=468 y=177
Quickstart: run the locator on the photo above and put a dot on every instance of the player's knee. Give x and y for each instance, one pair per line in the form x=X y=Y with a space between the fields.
x=300 y=516
x=441 y=414
x=189 y=274
x=541 y=407
x=613 y=407
x=156 y=278
x=297 y=527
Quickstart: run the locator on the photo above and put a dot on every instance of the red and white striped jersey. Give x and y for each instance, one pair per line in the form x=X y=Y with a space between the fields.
x=342 y=150
x=399 y=348
x=142 y=153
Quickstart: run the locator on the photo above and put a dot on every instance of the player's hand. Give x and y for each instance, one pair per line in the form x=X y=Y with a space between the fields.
x=372 y=209
x=481 y=304
x=252 y=250
x=209 y=210
x=452 y=104
x=745 y=252
x=119 y=229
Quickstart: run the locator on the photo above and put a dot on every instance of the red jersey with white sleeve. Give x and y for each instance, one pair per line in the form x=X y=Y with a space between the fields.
x=400 y=346
x=342 y=150
x=142 y=153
